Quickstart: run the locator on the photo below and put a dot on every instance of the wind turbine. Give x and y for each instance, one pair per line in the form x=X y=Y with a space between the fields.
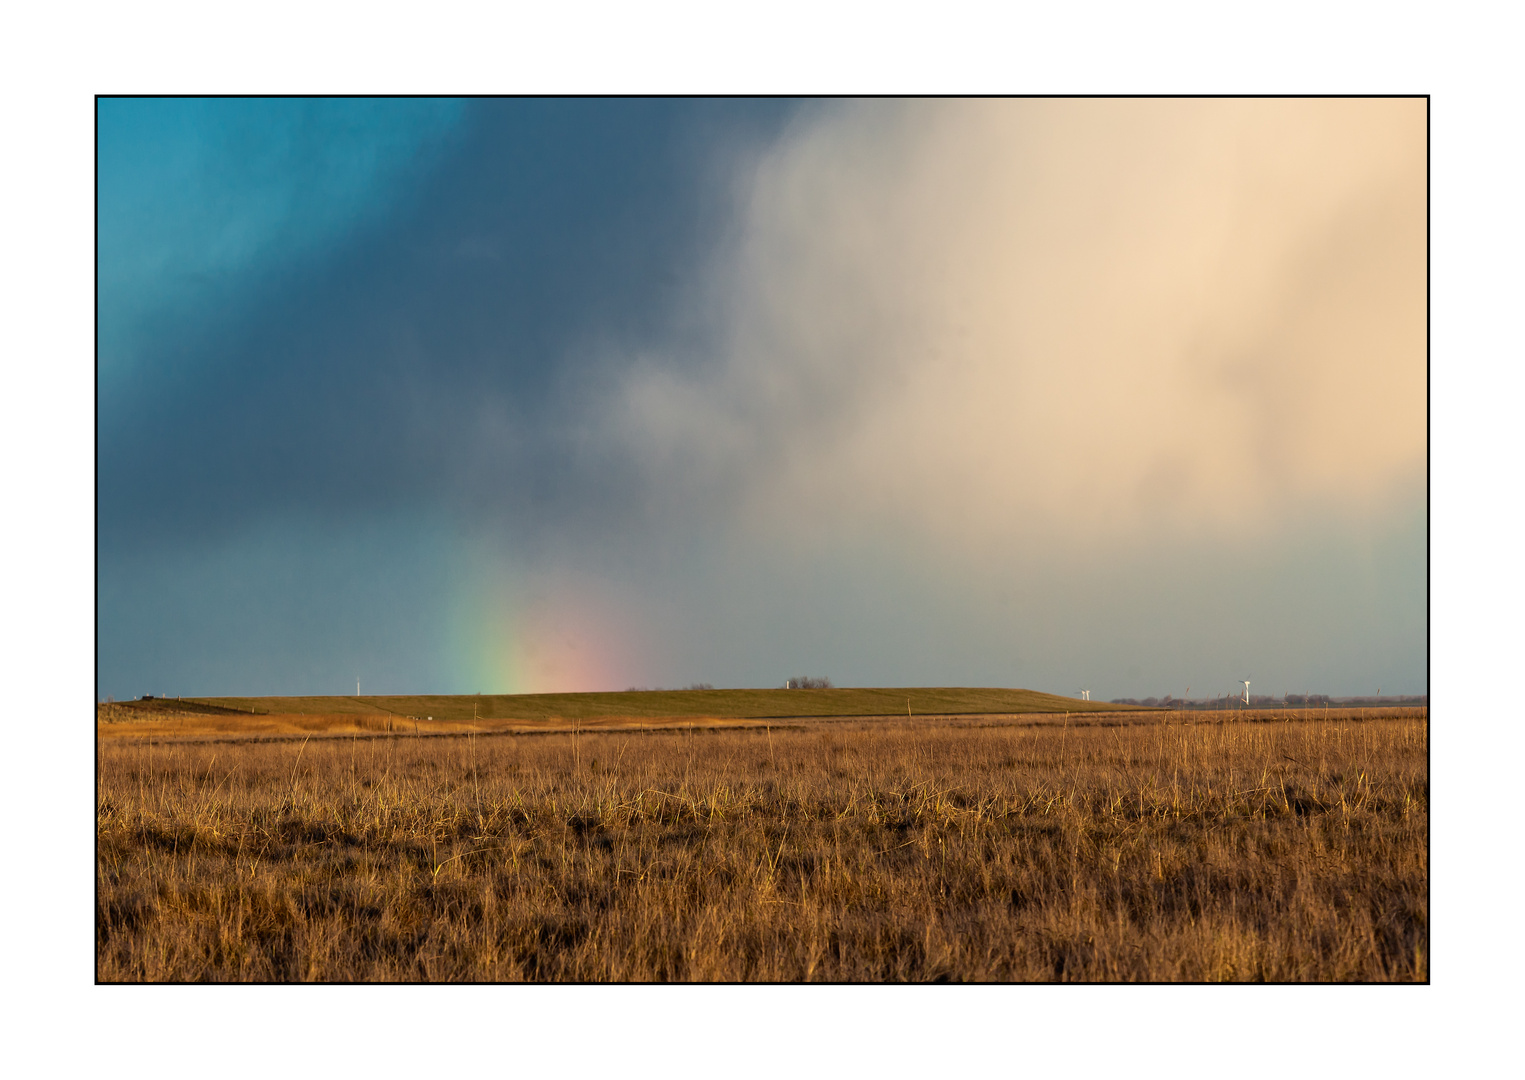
x=1085 y=695
x=1246 y=690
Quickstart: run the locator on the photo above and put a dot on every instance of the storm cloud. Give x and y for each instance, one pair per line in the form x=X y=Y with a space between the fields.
x=586 y=394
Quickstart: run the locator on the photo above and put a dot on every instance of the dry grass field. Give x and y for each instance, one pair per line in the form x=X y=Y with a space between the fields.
x=1240 y=846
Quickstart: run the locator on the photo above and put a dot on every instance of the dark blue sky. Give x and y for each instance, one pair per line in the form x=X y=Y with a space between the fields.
x=353 y=373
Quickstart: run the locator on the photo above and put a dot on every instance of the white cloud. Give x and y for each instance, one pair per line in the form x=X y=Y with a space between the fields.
x=1061 y=321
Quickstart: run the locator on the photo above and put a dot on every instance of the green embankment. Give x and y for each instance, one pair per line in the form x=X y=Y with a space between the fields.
x=736 y=704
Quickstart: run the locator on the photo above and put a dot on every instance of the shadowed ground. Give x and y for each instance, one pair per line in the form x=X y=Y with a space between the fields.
x=276 y=716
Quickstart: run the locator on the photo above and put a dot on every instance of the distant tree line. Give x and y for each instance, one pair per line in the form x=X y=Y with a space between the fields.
x=806 y=682
x=659 y=689
x=1226 y=701
x=1265 y=701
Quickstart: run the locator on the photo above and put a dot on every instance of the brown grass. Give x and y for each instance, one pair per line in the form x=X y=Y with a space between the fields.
x=1175 y=847
x=172 y=727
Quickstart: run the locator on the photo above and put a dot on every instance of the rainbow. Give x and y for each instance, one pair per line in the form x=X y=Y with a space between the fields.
x=523 y=634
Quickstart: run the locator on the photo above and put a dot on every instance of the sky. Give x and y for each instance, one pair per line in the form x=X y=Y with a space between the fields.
x=536 y=395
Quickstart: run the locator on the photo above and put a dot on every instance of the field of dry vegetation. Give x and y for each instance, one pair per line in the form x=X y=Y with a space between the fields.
x=1158 y=847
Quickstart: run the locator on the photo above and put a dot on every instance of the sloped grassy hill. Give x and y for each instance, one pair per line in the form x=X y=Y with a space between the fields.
x=740 y=704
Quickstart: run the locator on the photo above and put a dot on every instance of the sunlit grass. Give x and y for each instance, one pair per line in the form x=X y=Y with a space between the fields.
x=858 y=851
